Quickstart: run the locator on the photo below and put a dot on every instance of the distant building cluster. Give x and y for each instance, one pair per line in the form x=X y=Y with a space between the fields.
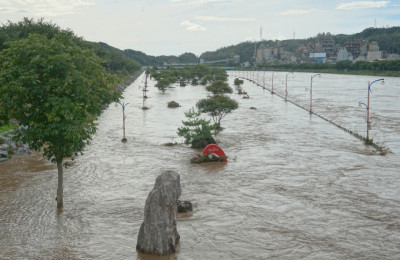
x=323 y=49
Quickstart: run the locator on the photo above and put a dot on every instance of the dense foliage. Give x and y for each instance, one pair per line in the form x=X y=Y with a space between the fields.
x=196 y=130
x=238 y=82
x=55 y=88
x=194 y=74
x=114 y=60
x=217 y=107
x=20 y=30
x=219 y=87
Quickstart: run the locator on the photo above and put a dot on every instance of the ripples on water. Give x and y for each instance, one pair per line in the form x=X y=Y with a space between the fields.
x=295 y=186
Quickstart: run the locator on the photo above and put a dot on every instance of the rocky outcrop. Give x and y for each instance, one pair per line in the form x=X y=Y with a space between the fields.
x=9 y=147
x=158 y=233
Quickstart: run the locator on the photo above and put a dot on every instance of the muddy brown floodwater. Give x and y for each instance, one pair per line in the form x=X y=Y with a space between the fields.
x=294 y=186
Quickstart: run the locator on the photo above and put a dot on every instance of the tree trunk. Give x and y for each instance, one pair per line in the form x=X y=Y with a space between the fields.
x=60 y=187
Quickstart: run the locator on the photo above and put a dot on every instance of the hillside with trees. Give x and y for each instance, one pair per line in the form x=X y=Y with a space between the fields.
x=388 y=39
x=148 y=60
x=113 y=59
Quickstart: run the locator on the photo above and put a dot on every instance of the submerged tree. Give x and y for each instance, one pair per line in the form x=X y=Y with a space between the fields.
x=218 y=87
x=55 y=90
x=197 y=131
x=217 y=107
x=238 y=82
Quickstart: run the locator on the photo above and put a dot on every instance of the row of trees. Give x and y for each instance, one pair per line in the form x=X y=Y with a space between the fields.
x=196 y=129
x=194 y=74
x=54 y=86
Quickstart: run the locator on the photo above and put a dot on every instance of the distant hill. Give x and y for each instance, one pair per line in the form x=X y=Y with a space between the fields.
x=149 y=60
x=246 y=49
x=114 y=59
x=387 y=38
x=126 y=61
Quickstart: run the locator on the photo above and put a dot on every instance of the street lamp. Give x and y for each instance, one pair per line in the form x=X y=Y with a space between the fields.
x=311 y=90
x=144 y=107
x=264 y=79
x=272 y=90
x=367 y=106
x=123 y=105
x=286 y=85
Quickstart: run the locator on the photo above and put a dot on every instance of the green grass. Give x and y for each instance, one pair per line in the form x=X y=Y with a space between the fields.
x=5 y=128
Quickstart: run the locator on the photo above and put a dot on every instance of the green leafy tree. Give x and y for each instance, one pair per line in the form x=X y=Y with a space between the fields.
x=197 y=131
x=194 y=82
x=200 y=71
x=219 y=87
x=221 y=77
x=55 y=90
x=20 y=30
x=238 y=82
x=217 y=107
x=165 y=78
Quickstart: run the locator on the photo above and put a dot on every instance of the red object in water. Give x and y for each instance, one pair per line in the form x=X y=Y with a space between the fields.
x=214 y=149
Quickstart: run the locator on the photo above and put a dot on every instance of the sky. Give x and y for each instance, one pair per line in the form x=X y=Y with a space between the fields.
x=173 y=27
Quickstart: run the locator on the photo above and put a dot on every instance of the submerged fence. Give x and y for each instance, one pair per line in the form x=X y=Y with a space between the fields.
x=380 y=149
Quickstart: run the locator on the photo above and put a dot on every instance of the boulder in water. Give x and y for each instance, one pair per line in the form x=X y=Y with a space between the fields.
x=158 y=233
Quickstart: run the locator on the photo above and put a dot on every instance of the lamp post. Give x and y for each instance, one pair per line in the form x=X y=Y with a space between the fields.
x=367 y=106
x=123 y=105
x=286 y=85
x=311 y=91
x=264 y=79
x=144 y=107
x=272 y=89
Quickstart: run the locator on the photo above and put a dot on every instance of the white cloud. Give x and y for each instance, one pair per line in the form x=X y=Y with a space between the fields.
x=44 y=7
x=363 y=4
x=223 y=19
x=192 y=26
x=295 y=12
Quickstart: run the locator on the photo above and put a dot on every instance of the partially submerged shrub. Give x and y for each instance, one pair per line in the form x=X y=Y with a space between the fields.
x=196 y=130
x=173 y=104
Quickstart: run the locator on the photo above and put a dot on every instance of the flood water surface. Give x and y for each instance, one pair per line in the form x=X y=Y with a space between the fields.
x=294 y=186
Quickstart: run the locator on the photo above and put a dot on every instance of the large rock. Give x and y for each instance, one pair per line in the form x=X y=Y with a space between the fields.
x=158 y=234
